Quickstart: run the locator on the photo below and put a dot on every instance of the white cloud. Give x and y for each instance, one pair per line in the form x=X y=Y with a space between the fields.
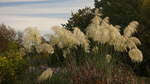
x=9 y=14
x=18 y=10
x=22 y=22
x=47 y=8
x=42 y=9
x=19 y=0
x=59 y=3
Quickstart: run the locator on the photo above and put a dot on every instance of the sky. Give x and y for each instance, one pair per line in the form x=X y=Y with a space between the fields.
x=43 y=14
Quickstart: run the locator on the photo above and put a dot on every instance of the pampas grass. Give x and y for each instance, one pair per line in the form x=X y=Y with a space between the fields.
x=64 y=38
x=31 y=37
x=45 y=48
x=108 y=58
x=46 y=74
x=82 y=38
x=135 y=40
x=103 y=32
x=114 y=33
x=131 y=29
x=120 y=44
x=136 y=55
x=102 y=42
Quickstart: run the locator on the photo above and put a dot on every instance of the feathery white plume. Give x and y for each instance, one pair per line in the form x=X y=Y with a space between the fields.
x=46 y=74
x=108 y=58
x=31 y=38
x=98 y=31
x=45 y=48
x=136 y=55
x=135 y=40
x=64 y=38
x=131 y=29
x=120 y=44
x=83 y=41
x=114 y=34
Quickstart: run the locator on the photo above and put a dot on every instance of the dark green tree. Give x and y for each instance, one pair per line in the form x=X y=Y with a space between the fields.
x=145 y=35
x=146 y=10
x=80 y=19
x=121 y=12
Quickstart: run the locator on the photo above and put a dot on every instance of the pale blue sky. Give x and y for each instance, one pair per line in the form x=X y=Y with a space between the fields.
x=40 y=13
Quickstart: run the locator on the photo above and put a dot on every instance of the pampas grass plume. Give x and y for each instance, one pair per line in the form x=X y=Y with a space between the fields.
x=108 y=58
x=45 y=48
x=83 y=41
x=46 y=74
x=31 y=38
x=136 y=55
x=131 y=29
x=64 y=38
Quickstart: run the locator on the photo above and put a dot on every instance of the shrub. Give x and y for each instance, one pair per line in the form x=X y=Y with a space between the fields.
x=11 y=66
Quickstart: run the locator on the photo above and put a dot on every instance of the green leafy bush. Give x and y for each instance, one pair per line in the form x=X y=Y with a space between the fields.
x=12 y=65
